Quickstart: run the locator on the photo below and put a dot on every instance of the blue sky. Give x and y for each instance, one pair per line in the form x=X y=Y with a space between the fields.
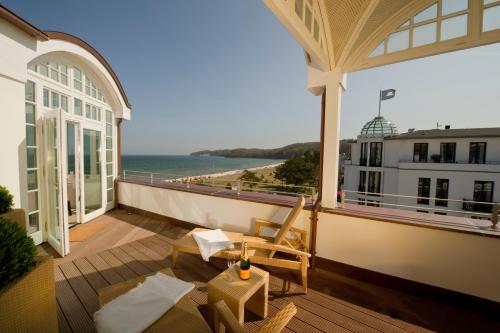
x=225 y=74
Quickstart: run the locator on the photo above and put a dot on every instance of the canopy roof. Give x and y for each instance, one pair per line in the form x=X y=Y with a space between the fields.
x=357 y=34
x=378 y=127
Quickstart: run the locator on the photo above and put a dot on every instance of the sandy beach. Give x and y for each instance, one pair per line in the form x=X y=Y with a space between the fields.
x=266 y=173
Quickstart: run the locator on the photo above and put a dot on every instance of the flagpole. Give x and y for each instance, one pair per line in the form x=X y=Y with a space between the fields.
x=379 y=101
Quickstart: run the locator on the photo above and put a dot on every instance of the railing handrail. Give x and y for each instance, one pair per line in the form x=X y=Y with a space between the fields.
x=206 y=180
x=417 y=197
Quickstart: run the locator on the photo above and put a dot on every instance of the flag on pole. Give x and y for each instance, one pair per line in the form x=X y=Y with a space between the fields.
x=387 y=94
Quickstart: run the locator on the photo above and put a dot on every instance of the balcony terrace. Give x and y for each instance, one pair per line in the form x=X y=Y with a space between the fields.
x=128 y=245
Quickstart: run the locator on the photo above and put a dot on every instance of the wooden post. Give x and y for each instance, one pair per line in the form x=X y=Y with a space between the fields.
x=331 y=138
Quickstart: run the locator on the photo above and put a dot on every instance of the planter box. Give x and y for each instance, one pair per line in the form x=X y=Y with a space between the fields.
x=29 y=303
x=16 y=215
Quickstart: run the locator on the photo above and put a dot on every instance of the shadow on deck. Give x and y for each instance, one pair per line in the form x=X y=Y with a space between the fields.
x=130 y=245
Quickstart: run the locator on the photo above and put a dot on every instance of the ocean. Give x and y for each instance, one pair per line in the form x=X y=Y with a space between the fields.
x=184 y=165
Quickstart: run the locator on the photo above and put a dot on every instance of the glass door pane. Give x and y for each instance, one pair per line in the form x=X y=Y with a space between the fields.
x=73 y=195
x=52 y=137
x=92 y=170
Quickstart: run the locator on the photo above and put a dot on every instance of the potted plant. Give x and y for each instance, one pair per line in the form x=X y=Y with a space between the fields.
x=6 y=210
x=27 y=286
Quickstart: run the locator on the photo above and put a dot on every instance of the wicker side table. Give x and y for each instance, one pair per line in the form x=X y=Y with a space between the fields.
x=251 y=294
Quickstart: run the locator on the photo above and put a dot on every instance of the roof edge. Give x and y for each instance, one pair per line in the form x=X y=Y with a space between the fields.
x=33 y=31
x=58 y=35
x=21 y=23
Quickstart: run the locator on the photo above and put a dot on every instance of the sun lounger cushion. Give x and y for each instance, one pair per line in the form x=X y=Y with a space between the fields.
x=140 y=307
x=211 y=241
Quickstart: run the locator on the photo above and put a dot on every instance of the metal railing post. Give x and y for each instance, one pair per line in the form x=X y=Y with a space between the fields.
x=151 y=177
x=342 y=199
x=494 y=216
x=238 y=187
x=124 y=174
x=188 y=184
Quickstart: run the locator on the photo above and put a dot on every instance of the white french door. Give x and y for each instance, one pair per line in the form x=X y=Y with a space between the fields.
x=58 y=236
x=92 y=184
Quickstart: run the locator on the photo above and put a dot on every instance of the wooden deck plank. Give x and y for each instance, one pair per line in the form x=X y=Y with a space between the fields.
x=108 y=273
x=63 y=322
x=123 y=270
x=94 y=278
x=130 y=262
x=73 y=310
x=82 y=289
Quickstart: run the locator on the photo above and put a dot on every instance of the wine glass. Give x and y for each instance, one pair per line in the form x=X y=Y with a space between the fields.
x=230 y=261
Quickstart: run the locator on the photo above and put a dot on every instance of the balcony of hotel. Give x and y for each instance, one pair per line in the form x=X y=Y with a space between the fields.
x=371 y=274
x=371 y=269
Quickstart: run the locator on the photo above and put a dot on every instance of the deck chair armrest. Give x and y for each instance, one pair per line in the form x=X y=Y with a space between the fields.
x=278 y=322
x=277 y=248
x=224 y=315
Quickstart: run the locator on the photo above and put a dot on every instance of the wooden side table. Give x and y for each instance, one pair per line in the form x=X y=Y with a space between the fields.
x=240 y=294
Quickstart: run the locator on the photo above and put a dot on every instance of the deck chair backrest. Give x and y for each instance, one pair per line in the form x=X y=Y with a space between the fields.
x=290 y=220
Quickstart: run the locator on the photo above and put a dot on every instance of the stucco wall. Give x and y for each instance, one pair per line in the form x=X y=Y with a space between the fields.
x=204 y=210
x=12 y=138
x=452 y=260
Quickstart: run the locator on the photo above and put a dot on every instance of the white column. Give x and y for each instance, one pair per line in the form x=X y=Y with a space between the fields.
x=334 y=83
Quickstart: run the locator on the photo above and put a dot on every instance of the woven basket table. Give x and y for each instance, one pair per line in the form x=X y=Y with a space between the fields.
x=239 y=294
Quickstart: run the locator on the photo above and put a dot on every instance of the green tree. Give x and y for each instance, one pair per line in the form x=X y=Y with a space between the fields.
x=300 y=170
x=249 y=176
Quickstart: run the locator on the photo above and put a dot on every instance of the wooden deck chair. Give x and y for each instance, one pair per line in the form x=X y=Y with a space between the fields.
x=263 y=249
x=287 y=234
x=224 y=317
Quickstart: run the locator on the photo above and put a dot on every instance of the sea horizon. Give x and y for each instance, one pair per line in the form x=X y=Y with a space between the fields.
x=189 y=165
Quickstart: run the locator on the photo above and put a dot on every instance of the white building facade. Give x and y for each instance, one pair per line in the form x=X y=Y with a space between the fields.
x=61 y=105
x=442 y=171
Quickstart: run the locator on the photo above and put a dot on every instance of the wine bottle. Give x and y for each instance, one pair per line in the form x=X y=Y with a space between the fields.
x=245 y=264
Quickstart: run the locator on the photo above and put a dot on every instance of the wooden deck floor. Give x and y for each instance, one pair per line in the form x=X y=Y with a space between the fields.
x=130 y=245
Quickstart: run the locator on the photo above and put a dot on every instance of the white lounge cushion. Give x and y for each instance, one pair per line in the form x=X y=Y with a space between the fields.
x=140 y=307
x=211 y=241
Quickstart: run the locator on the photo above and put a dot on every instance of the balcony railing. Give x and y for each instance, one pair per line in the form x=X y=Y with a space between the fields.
x=238 y=185
x=487 y=212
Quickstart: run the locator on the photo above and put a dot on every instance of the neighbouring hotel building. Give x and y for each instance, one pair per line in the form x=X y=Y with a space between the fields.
x=61 y=106
x=420 y=169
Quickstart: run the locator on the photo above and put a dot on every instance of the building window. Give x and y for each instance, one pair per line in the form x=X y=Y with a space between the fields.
x=442 y=186
x=424 y=190
x=109 y=156
x=77 y=79
x=420 y=152
x=363 y=158
x=374 y=180
x=46 y=102
x=477 y=153
x=78 y=107
x=447 y=152
x=33 y=209
x=483 y=192
x=376 y=154
x=362 y=181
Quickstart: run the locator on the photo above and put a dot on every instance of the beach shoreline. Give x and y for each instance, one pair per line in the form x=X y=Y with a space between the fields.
x=227 y=173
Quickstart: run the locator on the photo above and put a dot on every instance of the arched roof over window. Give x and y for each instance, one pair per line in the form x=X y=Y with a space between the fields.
x=44 y=36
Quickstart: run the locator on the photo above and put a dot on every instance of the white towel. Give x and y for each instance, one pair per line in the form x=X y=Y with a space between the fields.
x=137 y=309
x=211 y=241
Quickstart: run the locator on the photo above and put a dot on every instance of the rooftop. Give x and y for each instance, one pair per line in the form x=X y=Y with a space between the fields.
x=129 y=245
x=449 y=133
